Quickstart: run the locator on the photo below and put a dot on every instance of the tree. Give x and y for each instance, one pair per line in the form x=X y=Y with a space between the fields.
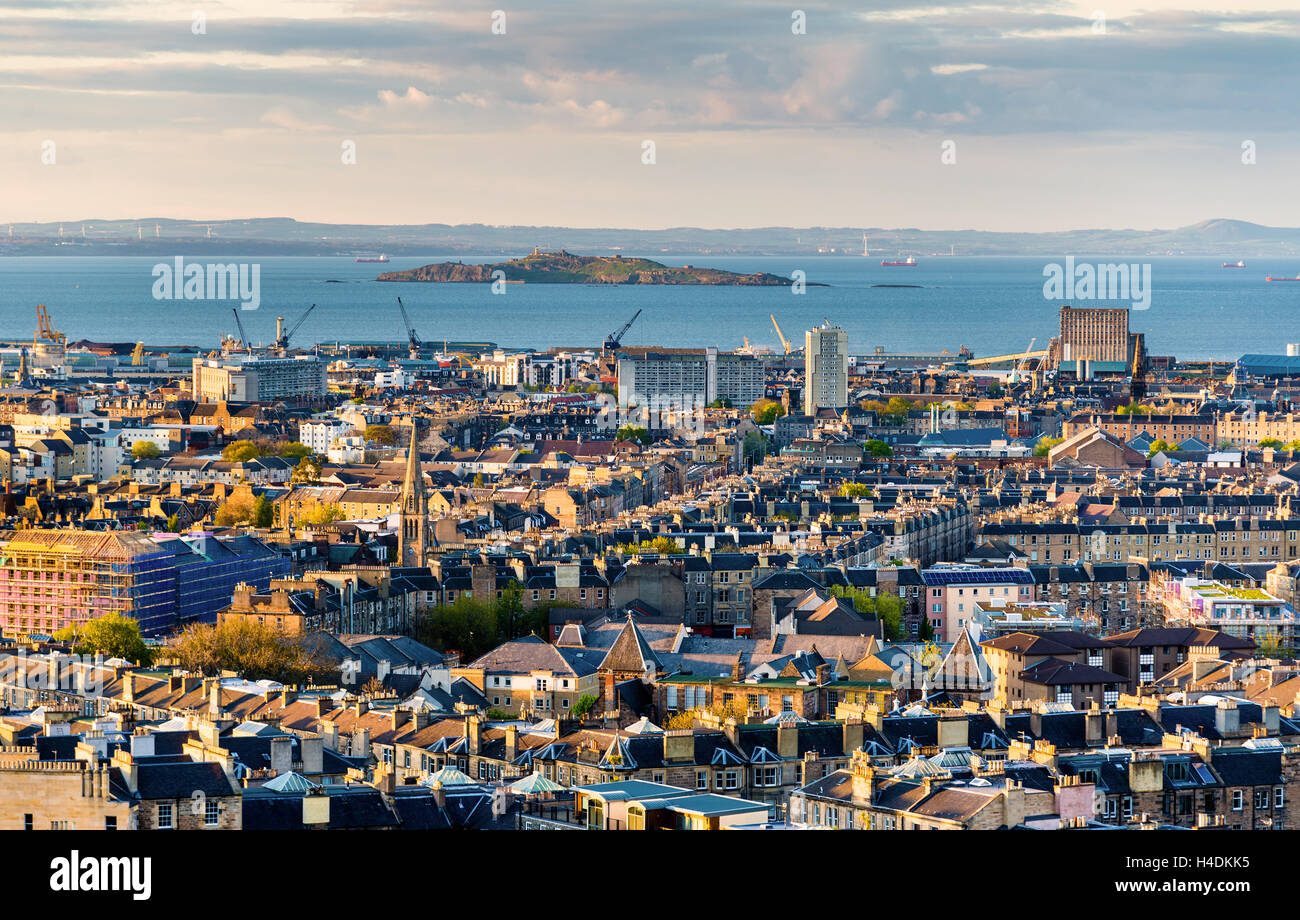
x=994 y=390
x=892 y=413
x=889 y=609
x=294 y=450
x=239 y=451
x=380 y=434
x=878 y=448
x=1045 y=445
x=1270 y=442
x=666 y=546
x=478 y=480
x=173 y=524
x=307 y=470
x=720 y=404
x=633 y=433
x=925 y=630
x=1157 y=446
x=885 y=607
x=754 y=447
x=253 y=650
x=263 y=512
x=234 y=510
x=468 y=625
x=1133 y=408
x=584 y=705
x=322 y=515
x=855 y=490
x=766 y=411
x=144 y=450
x=112 y=635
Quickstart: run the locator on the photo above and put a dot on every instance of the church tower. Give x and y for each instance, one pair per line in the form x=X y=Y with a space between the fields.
x=412 y=537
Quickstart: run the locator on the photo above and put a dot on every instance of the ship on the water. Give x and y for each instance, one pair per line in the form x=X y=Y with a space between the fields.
x=1241 y=264
x=909 y=262
x=1271 y=278
x=379 y=258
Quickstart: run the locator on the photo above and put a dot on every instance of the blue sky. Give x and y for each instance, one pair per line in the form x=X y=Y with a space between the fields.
x=1056 y=125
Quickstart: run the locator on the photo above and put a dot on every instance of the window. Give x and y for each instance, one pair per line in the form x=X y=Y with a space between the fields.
x=165 y=816
x=701 y=782
x=27 y=823
x=1237 y=799
x=1261 y=798
x=212 y=810
x=110 y=823
x=1278 y=798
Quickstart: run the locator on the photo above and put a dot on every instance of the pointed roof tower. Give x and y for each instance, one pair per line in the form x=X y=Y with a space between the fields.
x=413 y=534
x=413 y=497
x=631 y=653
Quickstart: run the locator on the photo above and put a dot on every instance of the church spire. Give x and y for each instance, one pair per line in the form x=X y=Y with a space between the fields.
x=412 y=535
x=413 y=483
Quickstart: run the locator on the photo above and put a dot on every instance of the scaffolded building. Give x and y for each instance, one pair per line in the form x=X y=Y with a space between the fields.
x=50 y=579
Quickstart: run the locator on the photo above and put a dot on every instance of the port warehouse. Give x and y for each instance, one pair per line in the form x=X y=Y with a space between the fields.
x=1269 y=366
x=167 y=581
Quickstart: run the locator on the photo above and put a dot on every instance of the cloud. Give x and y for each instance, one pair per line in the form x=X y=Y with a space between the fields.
x=411 y=98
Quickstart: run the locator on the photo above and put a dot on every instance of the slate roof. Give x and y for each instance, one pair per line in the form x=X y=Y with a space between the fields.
x=181 y=780
x=631 y=652
x=1054 y=672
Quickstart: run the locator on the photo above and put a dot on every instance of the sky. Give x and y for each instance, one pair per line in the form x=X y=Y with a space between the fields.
x=1012 y=115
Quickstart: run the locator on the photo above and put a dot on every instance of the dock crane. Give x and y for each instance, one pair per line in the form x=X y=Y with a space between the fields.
x=243 y=336
x=282 y=337
x=784 y=342
x=45 y=331
x=614 y=340
x=1018 y=368
x=413 y=340
x=137 y=354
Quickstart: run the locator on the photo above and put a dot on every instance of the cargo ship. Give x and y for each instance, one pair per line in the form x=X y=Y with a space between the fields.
x=1271 y=278
x=909 y=262
x=1234 y=264
x=379 y=258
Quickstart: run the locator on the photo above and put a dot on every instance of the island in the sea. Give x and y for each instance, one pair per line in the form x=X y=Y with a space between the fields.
x=566 y=268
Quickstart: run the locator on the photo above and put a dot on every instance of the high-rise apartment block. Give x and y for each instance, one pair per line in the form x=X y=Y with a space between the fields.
x=826 y=369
